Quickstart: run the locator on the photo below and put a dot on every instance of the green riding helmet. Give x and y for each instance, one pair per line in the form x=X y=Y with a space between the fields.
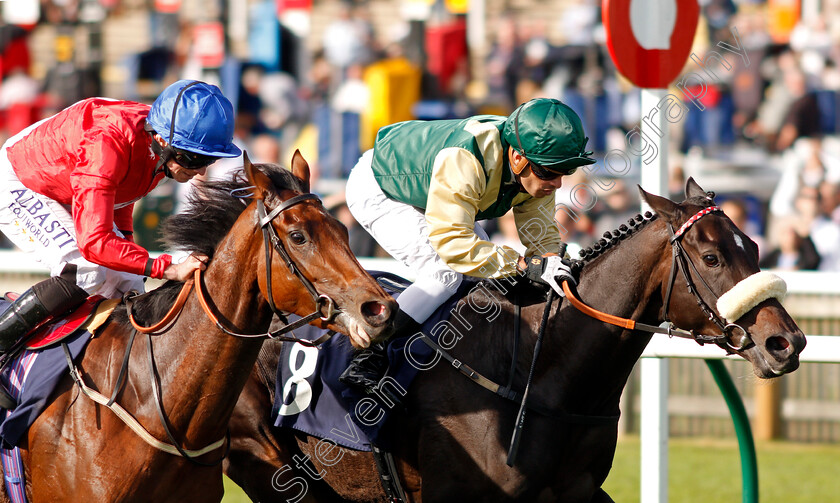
x=548 y=133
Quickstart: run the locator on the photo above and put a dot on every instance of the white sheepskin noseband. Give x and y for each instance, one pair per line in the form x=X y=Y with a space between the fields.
x=750 y=292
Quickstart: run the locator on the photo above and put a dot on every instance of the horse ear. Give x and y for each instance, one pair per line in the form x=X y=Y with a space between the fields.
x=300 y=168
x=663 y=206
x=693 y=189
x=256 y=178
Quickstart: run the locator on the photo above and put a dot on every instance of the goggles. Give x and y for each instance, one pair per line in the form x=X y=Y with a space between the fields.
x=546 y=174
x=193 y=160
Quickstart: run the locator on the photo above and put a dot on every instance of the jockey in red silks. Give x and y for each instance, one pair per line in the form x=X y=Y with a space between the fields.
x=68 y=185
x=423 y=186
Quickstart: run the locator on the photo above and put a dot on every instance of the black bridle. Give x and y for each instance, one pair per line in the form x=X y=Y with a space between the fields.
x=733 y=337
x=270 y=235
x=325 y=306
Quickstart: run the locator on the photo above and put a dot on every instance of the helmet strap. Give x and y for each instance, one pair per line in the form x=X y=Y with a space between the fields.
x=167 y=152
x=175 y=110
x=519 y=167
x=164 y=154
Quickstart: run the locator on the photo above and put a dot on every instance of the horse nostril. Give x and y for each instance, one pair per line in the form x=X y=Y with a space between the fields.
x=375 y=310
x=777 y=344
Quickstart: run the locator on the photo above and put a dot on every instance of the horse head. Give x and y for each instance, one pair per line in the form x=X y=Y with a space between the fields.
x=719 y=273
x=315 y=260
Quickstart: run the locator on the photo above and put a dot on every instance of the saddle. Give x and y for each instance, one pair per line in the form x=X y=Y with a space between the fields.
x=89 y=316
x=31 y=371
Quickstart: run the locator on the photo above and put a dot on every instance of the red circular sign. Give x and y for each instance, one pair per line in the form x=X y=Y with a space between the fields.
x=650 y=40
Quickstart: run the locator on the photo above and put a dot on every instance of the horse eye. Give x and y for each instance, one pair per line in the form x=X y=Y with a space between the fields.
x=297 y=237
x=710 y=260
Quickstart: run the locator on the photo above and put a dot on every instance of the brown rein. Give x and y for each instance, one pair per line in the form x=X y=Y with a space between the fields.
x=181 y=300
x=678 y=264
x=271 y=241
x=173 y=311
x=629 y=324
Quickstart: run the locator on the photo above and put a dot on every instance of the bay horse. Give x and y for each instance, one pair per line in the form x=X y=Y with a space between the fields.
x=452 y=440
x=77 y=450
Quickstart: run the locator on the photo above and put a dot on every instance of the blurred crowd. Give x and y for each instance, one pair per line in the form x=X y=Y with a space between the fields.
x=320 y=94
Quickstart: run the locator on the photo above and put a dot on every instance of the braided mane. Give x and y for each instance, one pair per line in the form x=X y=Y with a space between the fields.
x=614 y=237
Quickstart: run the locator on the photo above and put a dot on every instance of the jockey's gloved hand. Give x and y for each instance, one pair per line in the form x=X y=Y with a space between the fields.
x=551 y=271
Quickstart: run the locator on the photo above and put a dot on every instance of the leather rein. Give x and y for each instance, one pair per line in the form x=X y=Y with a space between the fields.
x=325 y=309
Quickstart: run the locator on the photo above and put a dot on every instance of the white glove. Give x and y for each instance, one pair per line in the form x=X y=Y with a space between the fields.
x=550 y=270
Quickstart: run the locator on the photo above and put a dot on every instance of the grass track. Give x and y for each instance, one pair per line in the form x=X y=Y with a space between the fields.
x=709 y=470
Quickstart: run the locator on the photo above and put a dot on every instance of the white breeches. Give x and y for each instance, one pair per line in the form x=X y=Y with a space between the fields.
x=402 y=231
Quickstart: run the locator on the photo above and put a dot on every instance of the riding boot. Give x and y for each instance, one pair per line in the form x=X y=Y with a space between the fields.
x=368 y=366
x=22 y=316
x=30 y=310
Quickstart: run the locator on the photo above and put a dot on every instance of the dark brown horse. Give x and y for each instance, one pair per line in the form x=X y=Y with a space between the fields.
x=78 y=450
x=452 y=443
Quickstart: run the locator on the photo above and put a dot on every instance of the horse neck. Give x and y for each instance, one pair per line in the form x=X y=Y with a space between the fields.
x=626 y=280
x=208 y=368
x=590 y=358
x=231 y=279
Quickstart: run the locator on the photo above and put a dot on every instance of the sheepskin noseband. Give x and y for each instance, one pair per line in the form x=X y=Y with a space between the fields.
x=750 y=292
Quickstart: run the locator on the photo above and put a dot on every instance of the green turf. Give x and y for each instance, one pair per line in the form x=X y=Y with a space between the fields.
x=703 y=471
x=233 y=494
x=709 y=471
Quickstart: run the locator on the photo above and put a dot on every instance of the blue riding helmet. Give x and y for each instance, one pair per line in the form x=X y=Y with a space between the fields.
x=203 y=119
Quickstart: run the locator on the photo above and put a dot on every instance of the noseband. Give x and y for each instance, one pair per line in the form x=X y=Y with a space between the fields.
x=734 y=337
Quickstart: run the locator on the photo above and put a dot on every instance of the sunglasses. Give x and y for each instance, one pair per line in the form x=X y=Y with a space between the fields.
x=192 y=160
x=546 y=174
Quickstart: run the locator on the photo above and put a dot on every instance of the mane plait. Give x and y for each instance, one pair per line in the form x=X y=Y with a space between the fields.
x=214 y=206
x=612 y=238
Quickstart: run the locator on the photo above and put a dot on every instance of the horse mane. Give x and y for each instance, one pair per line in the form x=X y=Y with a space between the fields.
x=150 y=307
x=214 y=206
x=211 y=210
x=614 y=237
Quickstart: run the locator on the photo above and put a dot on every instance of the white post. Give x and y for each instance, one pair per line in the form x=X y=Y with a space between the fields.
x=655 y=131
x=654 y=430
x=654 y=393
x=477 y=26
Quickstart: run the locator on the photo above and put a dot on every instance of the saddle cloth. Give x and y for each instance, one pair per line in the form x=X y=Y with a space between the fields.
x=33 y=375
x=309 y=398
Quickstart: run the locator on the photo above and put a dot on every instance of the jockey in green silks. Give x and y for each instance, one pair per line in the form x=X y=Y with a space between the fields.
x=423 y=186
